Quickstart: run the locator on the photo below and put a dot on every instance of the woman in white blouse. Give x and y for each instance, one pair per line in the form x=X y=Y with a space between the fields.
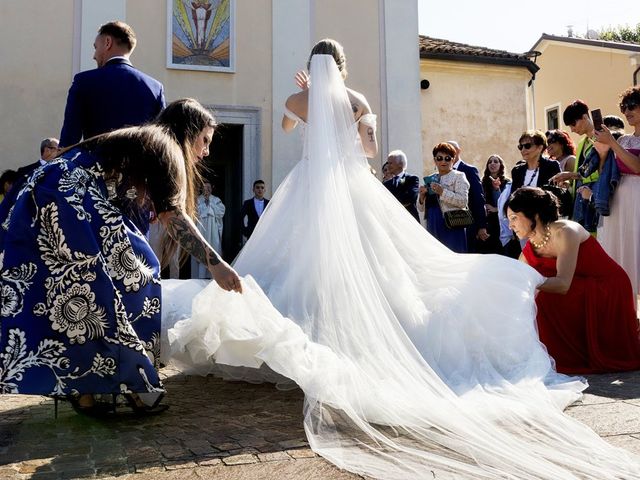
x=445 y=191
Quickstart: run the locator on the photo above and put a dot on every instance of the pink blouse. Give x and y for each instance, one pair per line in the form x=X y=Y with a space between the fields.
x=630 y=143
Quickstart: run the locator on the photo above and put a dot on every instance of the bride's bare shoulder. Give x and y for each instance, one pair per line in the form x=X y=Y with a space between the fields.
x=297 y=103
x=359 y=103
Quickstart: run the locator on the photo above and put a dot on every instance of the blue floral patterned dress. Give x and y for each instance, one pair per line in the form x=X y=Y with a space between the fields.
x=80 y=287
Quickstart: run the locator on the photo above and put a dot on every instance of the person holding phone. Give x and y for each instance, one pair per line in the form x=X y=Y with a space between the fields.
x=620 y=231
x=449 y=190
x=576 y=116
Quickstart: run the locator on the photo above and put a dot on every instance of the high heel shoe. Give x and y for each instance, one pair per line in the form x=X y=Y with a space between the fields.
x=96 y=410
x=143 y=410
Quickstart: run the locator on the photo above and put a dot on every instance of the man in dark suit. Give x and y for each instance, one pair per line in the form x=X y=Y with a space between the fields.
x=112 y=96
x=115 y=94
x=252 y=209
x=403 y=186
x=48 y=151
x=476 y=200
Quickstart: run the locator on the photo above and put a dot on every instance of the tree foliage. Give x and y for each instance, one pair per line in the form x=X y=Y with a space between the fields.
x=621 y=33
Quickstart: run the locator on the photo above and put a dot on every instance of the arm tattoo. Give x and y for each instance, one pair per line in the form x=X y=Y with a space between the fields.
x=184 y=232
x=370 y=133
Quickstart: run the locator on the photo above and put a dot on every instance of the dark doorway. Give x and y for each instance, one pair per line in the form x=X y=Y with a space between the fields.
x=224 y=172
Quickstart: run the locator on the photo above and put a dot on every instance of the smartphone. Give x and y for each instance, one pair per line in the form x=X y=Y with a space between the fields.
x=434 y=178
x=596 y=116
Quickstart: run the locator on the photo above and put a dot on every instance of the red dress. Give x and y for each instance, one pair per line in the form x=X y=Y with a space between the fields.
x=593 y=328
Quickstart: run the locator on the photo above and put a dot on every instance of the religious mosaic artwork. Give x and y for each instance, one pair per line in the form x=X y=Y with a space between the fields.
x=201 y=35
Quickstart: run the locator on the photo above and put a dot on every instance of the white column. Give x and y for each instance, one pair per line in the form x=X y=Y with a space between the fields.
x=401 y=122
x=292 y=30
x=88 y=16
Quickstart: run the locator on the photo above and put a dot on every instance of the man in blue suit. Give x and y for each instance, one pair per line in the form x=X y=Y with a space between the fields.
x=115 y=94
x=112 y=96
x=403 y=186
x=476 y=200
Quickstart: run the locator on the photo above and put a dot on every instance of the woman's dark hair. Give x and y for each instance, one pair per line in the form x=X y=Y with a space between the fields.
x=444 y=147
x=536 y=136
x=328 y=46
x=150 y=160
x=630 y=95
x=574 y=112
x=185 y=119
x=487 y=183
x=8 y=176
x=568 y=148
x=531 y=201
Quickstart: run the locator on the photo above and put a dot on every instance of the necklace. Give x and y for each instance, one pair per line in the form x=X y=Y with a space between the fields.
x=533 y=177
x=545 y=239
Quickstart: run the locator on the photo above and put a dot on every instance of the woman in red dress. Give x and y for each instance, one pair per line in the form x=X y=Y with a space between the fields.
x=586 y=306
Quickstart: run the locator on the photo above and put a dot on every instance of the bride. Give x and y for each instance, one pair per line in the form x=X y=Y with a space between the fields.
x=408 y=370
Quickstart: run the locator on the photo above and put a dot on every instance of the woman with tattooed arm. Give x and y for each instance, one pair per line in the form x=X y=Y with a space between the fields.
x=80 y=284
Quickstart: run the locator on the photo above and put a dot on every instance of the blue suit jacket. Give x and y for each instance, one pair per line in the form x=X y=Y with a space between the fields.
x=104 y=99
x=406 y=192
x=476 y=203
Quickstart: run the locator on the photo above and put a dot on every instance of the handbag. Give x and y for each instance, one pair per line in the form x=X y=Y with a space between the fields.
x=455 y=219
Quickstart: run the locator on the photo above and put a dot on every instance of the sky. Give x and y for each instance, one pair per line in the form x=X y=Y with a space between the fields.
x=515 y=25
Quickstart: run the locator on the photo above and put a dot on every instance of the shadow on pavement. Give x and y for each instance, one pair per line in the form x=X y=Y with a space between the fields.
x=615 y=386
x=208 y=419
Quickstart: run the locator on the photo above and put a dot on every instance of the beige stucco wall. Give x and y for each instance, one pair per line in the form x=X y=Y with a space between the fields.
x=482 y=107
x=35 y=60
x=569 y=71
x=43 y=44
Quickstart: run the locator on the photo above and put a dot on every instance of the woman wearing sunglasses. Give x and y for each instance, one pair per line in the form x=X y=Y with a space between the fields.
x=449 y=190
x=620 y=231
x=535 y=170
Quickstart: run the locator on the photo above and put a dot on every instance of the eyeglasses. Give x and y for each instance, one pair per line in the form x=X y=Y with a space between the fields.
x=628 y=105
x=493 y=160
x=440 y=158
x=525 y=146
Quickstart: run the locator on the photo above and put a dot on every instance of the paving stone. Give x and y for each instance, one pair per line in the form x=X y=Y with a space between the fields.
x=609 y=418
x=209 y=461
x=273 y=456
x=291 y=444
x=180 y=465
x=240 y=459
x=302 y=453
x=149 y=468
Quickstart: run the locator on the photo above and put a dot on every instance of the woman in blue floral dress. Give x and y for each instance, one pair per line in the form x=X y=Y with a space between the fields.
x=80 y=285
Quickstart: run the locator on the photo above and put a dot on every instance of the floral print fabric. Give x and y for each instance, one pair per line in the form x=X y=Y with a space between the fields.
x=79 y=285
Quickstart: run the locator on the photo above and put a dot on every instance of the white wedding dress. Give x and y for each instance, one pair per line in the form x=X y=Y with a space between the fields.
x=412 y=359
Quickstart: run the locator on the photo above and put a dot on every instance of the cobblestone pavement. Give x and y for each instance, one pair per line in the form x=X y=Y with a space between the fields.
x=223 y=430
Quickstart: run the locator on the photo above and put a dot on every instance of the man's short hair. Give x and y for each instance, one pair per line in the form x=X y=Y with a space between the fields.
x=574 y=112
x=122 y=34
x=613 y=121
x=48 y=142
x=454 y=144
x=258 y=182
x=400 y=155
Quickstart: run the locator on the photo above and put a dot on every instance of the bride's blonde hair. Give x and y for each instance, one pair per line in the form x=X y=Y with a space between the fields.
x=328 y=46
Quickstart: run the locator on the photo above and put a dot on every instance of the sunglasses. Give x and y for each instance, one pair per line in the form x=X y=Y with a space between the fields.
x=440 y=158
x=525 y=146
x=629 y=105
x=494 y=160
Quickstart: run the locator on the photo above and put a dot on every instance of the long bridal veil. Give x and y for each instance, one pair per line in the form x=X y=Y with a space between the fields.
x=410 y=364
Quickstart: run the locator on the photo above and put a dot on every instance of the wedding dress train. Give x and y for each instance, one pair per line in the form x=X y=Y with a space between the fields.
x=414 y=360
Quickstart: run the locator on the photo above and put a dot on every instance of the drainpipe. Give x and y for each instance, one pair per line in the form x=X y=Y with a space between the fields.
x=635 y=76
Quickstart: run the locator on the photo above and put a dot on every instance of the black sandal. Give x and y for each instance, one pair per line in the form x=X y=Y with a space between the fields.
x=97 y=410
x=142 y=410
